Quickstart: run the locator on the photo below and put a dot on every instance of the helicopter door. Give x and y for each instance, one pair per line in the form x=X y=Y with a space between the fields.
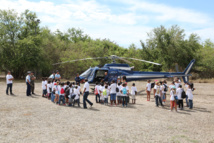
x=112 y=76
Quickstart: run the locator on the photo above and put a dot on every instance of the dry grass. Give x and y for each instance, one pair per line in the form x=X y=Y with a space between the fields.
x=35 y=119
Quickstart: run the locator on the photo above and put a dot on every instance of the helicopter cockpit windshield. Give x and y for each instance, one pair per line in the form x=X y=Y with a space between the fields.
x=86 y=73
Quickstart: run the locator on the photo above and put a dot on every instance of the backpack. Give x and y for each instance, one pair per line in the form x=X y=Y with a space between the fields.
x=95 y=91
x=124 y=90
x=166 y=88
x=67 y=91
x=62 y=91
x=152 y=85
x=117 y=89
x=104 y=92
x=183 y=94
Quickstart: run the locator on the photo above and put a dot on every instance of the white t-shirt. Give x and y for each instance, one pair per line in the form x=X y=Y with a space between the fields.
x=148 y=85
x=77 y=93
x=179 y=93
x=71 y=91
x=27 y=78
x=172 y=96
x=120 y=88
x=44 y=85
x=189 y=94
x=48 y=88
x=177 y=85
x=9 y=77
x=133 y=90
x=86 y=85
x=53 y=85
x=57 y=89
x=113 y=88
x=160 y=90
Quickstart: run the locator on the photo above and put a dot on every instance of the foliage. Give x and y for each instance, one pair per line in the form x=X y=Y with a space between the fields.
x=24 y=45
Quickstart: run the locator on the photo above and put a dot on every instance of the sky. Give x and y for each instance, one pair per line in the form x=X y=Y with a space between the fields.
x=125 y=22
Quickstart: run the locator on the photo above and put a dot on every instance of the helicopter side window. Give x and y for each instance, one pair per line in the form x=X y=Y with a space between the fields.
x=100 y=73
x=86 y=73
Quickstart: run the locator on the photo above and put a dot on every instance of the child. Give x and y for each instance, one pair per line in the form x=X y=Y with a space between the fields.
x=62 y=94
x=49 y=89
x=119 y=86
x=133 y=92
x=148 y=89
x=101 y=93
x=124 y=92
x=67 y=91
x=180 y=99
x=97 y=93
x=165 y=89
x=177 y=83
x=190 y=96
x=79 y=88
x=70 y=101
x=105 y=94
x=57 y=92
x=158 y=93
x=172 y=98
x=186 y=86
x=44 y=87
x=77 y=95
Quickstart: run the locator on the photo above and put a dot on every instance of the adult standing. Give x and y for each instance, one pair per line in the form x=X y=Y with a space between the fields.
x=57 y=75
x=28 y=83
x=77 y=78
x=85 y=94
x=113 y=92
x=52 y=76
x=32 y=79
x=9 y=80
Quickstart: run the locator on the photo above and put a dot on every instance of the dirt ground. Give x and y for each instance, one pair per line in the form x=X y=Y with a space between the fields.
x=35 y=119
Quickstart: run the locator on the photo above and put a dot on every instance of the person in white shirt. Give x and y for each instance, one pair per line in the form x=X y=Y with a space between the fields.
x=27 y=79
x=165 y=89
x=133 y=93
x=77 y=95
x=113 y=93
x=52 y=76
x=148 y=89
x=179 y=95
x=44 y=87
x=9 y=80
x=119 y=98
x=97 y=93
x=102 y=87
x=49 y=89
x=57 y=92
x=187 y=87
x=177 y=84
x=79 y=88
x=85 y=94
x=190 y=96
x=158 y=93
x=53 y=90
x=172 y=98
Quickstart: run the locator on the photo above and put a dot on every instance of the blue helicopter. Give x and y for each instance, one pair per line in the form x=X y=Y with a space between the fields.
x=115 y=71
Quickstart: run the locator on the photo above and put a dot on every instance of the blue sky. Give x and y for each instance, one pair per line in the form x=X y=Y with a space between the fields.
x=122 y=21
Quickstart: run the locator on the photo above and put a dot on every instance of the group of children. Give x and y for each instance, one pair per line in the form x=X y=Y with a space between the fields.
x=103 y=90
x=177 y=93
x=68 y=93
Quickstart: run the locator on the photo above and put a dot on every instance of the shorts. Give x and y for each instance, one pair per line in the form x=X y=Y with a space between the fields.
x=44 y=92
x=113 y=96
x=133 y=96
x=118 y=97
x=105 y=100
x=173 y=103
x=164 y=96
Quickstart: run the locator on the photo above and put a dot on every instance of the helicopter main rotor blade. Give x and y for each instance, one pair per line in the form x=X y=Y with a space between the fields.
x=81 y=60
x=142 y=61
x=124 y=60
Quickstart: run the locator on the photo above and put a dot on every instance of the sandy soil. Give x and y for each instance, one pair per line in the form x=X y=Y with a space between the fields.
x=35 y=119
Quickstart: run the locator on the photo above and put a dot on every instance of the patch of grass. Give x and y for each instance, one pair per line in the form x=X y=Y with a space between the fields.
x=175 y=139
x=110 y=140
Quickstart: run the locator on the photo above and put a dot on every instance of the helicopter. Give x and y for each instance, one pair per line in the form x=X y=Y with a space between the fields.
x=116 y=71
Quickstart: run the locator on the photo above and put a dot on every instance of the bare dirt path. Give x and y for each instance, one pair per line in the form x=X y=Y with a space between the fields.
x=35 y=119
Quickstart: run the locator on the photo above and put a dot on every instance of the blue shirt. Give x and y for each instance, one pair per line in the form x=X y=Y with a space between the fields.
x=52 y=76
x=27 y=78
x=105 y=78
x=57 y=76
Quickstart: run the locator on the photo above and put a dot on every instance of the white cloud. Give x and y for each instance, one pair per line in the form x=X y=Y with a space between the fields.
x=100 y=21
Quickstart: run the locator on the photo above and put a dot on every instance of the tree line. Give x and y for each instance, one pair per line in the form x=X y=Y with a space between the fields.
x=25 y=45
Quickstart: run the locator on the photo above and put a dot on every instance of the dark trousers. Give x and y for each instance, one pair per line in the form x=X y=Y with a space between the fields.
x=77 y=101
x=187 y=102
x=156 y=100
x=180 y=103
x=124 y=100
x=10 y=85
x=98 y=97
x=32 y=88
x=28 y=89
x=190 y=104
x=85 y=98
x=61 y=97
